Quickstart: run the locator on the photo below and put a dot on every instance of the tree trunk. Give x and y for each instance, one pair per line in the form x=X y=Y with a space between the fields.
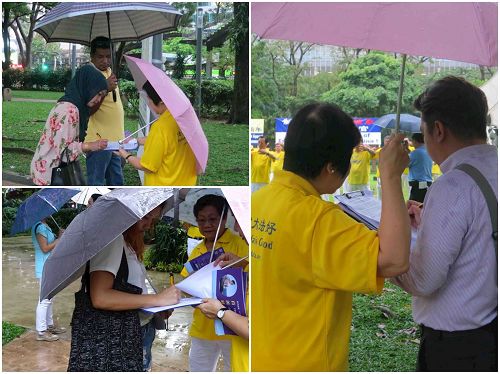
x=20 y=45
x=239 y=109
x=6 y=40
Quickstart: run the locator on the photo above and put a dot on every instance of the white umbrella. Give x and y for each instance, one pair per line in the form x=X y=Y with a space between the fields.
x=83 y=197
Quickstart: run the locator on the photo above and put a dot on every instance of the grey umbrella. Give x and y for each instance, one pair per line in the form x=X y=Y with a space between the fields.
x=82 y=22
x=94 y=229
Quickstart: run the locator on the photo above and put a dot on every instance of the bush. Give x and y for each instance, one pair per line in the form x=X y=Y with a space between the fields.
x=36 y=79
x=10 y=332
x=131 y=105
x=216 y=94
x=169 y=253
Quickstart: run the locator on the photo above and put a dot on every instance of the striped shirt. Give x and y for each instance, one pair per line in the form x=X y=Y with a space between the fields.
x=452 y=274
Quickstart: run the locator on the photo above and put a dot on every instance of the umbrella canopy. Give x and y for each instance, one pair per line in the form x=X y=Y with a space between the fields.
x=40 y=205
x=456 y=31
x=82 y=22
x=237 y=198
x=84 y=195
x=94 y=229
x=407 y=122
x=177 y=103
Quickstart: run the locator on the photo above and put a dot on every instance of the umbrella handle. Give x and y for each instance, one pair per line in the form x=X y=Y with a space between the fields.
x=55 y=223
x=112 y=53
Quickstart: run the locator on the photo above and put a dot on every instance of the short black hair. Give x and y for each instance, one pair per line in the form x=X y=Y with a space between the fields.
x=217 y=201
x=459 y=105
x=99 y=42
x=318 y=134
x=151 y=92
x=419 y=137
x=95 y=196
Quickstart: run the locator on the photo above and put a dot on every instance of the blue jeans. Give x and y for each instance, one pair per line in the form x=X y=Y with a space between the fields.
x=104 y=167
x=148 y=336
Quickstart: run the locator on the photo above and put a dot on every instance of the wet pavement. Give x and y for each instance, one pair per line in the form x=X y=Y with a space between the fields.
x=19 y=299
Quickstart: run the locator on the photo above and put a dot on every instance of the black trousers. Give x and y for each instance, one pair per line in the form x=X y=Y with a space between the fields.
x=416 y=193
x=471 y=350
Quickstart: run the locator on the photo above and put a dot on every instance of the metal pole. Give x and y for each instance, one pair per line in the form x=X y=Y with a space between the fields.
x=157 y=56
x=73 y=60
x=112 y=53
x=400 y=93
x=199 y=41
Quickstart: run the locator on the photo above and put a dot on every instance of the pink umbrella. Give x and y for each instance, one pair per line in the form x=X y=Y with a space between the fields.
x=457 y=31
x=239 y=201
x=177 y=103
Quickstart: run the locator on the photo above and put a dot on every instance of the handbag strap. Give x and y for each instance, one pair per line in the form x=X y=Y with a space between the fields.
x=489 y=196
x=65 y=152
x=122 y=273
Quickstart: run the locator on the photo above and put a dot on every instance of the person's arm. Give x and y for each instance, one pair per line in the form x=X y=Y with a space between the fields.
x=44 y=245
x=105 y=297
x=369 y=150
x=394 y=230
x=440 y=234
x=133 y=160
x=234 y=321
x=228 y=258
x=268 y=154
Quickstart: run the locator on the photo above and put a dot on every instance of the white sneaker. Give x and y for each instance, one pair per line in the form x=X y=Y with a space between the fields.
x=46 y=336
x=56 y=329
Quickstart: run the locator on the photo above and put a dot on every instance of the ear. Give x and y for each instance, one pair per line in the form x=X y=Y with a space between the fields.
x=440 y=132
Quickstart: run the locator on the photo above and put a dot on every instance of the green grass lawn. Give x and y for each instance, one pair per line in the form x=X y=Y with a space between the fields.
x=228 y=144
x=380 y=343
x=46 y=95
x=10 y=332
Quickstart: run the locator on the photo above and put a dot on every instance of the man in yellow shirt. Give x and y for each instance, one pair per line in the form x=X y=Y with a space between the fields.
x=360 y=168
x=308 y=256
x=206 y=346
x=104 y=167
x=261 y=160
x=277 y=164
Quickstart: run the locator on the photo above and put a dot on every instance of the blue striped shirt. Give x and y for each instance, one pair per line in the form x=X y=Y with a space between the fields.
x=452 y=274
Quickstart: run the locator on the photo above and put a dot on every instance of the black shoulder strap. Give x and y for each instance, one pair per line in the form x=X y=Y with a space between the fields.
x=122 y=272
x=489 y=195
x=38 y=224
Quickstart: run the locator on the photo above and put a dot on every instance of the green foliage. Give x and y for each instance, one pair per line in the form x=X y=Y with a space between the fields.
x=176 y=45
x=369 y=87
x=178 y=68
x=169 y=250
x=129 y=89
x=10 y=332
x=37 y=79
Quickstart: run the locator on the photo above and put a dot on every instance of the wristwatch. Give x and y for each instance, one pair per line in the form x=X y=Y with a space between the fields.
x=221 y=312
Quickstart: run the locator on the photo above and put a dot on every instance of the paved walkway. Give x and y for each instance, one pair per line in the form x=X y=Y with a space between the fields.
x=34 y=100
x=14 y=179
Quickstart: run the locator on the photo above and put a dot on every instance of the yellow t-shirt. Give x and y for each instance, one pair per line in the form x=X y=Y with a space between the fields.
x=377 y=157
x=108 y=121
x=203 y=327
x=261 y=167
x=168 y=155
x=308 y=257
x=278 y=163
x=360 y=167
x=436 y=169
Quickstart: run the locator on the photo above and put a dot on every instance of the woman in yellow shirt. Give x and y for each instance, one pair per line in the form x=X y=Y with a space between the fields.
x=308 y=256
x=168 y=160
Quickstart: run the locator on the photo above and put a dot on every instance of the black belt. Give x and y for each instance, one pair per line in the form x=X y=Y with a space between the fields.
x=430 y=332
x=416 y=183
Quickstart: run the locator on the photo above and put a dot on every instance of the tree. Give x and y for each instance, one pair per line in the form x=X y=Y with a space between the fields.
x=10 y=12
x=42 y=50
x=240 y=38
x=370 y=85
x=226 y=58
x=23 y=25
x=291 y=53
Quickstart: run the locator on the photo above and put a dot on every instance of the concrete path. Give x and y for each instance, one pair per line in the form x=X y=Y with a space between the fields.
x=34 y=100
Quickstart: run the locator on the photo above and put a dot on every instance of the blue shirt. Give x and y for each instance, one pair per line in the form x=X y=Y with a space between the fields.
x=420 y=165
x=40 y=256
